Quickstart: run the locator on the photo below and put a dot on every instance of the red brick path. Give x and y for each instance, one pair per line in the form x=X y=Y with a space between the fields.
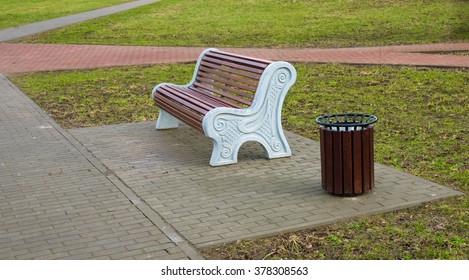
x=15 y=58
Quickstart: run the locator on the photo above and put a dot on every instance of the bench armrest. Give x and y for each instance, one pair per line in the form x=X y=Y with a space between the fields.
x=229 y=128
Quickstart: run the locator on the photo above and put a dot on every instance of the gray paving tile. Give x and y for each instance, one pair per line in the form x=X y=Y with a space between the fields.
x=56 y=201
x=280 y=195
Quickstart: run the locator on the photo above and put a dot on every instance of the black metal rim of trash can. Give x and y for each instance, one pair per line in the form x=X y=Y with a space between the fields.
x=348 y=121
x=347 y=157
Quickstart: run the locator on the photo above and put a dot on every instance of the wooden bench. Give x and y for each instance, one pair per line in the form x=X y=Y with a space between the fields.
x=232 y=99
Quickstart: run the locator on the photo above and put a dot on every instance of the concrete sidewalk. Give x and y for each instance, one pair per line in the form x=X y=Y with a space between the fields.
x=59 y=202
x=38 y=27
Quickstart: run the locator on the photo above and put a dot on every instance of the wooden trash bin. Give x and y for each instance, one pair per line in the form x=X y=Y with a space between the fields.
x=347 y=160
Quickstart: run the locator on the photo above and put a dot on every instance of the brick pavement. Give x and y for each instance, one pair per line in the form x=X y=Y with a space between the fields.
x=58 y=202
x=40 y=57
x=255 y=197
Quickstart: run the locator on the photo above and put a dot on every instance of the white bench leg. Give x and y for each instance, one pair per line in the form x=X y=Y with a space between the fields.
x=166 y=121
x=225 y=151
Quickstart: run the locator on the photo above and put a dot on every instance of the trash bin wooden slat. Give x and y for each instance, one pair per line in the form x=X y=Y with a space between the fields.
x=357 y=161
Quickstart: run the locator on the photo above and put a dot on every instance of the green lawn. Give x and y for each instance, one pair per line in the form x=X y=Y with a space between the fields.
x=422 y=130
x=274 y=23
x=16 y=13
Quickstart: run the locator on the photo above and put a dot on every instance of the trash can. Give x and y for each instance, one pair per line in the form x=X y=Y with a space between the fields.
x=347 y=159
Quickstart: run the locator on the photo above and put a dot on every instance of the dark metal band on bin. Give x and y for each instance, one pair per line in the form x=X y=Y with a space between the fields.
x=346 y=121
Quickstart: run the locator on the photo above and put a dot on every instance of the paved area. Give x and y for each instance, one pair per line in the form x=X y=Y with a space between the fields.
x=40 y=57
x=58 y=202
x=131 y=192
x=255 y=197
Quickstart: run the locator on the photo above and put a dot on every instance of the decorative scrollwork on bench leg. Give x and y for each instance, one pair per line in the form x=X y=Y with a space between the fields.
x=229 y=128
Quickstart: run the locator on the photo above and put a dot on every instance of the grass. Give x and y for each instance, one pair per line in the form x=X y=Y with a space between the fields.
x=15 y=13
x=422 y=130
x=274 y=23
x=98 y=97
x=426 y=232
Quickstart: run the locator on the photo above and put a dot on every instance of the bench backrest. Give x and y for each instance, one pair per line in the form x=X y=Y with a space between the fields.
x=228 y=76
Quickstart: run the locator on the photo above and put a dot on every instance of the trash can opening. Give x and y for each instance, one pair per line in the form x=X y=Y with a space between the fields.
x=346 y=121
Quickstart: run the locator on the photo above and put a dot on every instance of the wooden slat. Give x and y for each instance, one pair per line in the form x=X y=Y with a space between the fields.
x=190 y=104
x=233 y=81
x=231 y=91
x=347 y=162
x=357 y=161
x=239 y=60
x=184 y=118
x=224 y=94
x=218 y=81
x=234 y=65
x=372 y=158
x=214 y=100
x=190 y=101
x=329 y=161
x=231 y=70
x=180 y=112
x=253 y=82
x=209 y=100
x=163 y=100
x=337 y=158
x=322 y=145
x=199 y=98
x=265 y=61
x=366 y=159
